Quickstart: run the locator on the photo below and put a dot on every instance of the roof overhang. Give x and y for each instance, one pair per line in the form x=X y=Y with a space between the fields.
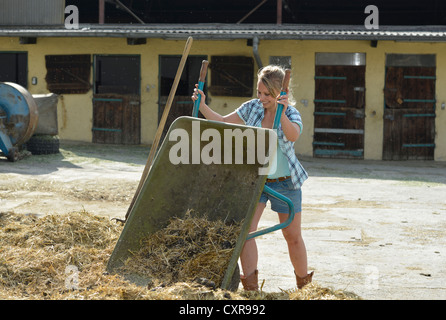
x=235 y=31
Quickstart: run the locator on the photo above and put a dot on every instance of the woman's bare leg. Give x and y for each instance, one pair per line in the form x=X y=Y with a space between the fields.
x=249 y=254
x=296 y=245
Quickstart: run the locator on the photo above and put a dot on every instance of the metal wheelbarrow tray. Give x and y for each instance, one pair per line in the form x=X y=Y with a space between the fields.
x=228 y=192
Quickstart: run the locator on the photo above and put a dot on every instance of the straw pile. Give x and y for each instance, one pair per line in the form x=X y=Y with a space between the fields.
x=65 y=256
x=38 y=255
x=188 y=248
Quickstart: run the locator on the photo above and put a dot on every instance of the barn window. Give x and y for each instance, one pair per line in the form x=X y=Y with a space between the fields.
x=232 y=76
x=117 y=74
x=283 y=61
x=68 y=73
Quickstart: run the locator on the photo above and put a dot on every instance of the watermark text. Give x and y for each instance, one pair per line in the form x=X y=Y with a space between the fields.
x=372 y=20
x=234 y=146
x=72 y=20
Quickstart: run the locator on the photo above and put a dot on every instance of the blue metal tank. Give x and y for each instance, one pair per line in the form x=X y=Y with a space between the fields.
x=18 y=118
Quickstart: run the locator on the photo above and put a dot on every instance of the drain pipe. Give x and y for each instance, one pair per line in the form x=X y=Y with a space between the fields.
x=255 y=52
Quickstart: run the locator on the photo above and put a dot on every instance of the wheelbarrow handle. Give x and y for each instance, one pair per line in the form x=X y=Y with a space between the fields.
x=283 y=91
x=279 y=226
x=201 y=80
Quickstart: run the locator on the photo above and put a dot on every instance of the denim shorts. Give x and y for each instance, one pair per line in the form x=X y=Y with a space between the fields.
x=285 y=188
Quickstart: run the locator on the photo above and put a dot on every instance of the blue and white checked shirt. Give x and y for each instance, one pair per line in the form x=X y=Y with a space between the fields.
x=252 y=113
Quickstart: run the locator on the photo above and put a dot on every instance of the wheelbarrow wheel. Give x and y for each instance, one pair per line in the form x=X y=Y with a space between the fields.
x=235 y=280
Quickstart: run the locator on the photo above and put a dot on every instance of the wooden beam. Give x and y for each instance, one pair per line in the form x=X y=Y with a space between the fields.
x=252 y=11
x=279 y=12
x=101 y=11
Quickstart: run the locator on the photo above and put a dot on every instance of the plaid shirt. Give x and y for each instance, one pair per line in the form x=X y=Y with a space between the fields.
x=252 y=113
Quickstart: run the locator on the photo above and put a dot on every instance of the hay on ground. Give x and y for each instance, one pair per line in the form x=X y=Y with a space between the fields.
x=65 y=256
x=187 y=248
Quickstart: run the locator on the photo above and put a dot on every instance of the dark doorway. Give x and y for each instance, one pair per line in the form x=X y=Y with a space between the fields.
x=14 y=67
x=117 y=99
x=182 y=104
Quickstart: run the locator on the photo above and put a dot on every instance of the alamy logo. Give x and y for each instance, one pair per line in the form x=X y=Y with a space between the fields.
x=72 y=20
x=72 y=279
x=229 y=148
x=372 y=21
x=371 y=277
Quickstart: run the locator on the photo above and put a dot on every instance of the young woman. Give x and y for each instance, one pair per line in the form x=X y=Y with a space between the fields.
x=288 y=177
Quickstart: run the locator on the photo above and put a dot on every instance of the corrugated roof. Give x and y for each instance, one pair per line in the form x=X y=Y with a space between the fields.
x=50 y=12
x=236 y=31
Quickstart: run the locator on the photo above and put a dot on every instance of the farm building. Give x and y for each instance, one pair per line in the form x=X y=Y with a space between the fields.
x=365 y=91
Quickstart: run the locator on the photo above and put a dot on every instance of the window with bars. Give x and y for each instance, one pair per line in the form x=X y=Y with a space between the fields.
x=283 y=61
x=68 y=73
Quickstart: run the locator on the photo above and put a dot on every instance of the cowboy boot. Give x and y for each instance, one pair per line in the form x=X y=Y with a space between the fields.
x=301 y=282
x=251 y=282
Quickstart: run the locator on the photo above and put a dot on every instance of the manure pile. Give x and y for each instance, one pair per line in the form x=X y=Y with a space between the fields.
x=187 y=249
x=65 y=257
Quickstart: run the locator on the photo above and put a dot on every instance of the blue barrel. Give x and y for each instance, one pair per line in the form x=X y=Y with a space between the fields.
x=18 y=116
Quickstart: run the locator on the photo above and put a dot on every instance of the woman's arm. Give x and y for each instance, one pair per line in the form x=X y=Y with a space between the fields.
x=210 y=114
x=290 y=129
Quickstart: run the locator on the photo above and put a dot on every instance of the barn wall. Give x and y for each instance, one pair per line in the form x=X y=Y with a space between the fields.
x=75 y=110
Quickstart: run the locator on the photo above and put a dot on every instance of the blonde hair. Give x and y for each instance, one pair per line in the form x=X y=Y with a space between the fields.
x=272 y=77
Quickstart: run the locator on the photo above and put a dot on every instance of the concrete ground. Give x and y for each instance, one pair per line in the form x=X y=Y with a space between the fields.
x=375 y=228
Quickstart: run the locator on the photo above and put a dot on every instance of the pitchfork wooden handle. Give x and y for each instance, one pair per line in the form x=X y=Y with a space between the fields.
x=286 y=81
x=159 y=130
x=203 y=70
x=283 y=91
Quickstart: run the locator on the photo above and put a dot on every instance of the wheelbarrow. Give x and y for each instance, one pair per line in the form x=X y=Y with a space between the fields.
x=227 y=190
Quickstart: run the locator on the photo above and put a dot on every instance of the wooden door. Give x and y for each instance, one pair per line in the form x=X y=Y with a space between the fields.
x=409 y=113
x=117 y=100
x=116 y=119
x=339 y=111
